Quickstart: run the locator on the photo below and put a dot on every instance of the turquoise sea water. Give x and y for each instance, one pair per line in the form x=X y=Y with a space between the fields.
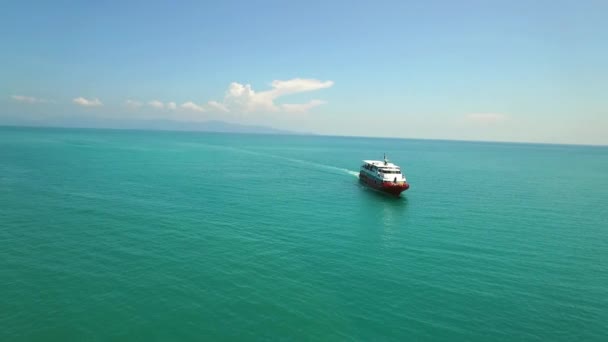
x=159 y=236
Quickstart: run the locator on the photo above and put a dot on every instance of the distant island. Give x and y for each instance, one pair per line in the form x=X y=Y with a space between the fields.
x=168 y=125
x=204 y=126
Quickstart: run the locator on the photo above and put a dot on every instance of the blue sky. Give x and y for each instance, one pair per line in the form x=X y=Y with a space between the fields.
x=476 y=70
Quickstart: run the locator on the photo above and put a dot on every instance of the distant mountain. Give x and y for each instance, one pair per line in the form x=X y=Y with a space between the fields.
x=226 y=127
x=204 y=126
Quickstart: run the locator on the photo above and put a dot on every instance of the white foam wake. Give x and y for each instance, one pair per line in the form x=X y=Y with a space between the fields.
x=317 y=165
x=293 y=160
x=352 y=173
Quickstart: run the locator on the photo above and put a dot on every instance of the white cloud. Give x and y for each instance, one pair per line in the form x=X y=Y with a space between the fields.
x=486 y=117
x=173 y=106
x=192 y=106
x=301 y=108
x=244 y=98
x=298 y=85
x=214 y=105
x=87 y=103
x=27 y=99
x=156 y=104
x=133 y=104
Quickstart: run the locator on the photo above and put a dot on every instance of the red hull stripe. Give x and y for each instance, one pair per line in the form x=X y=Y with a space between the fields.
x=390 y=187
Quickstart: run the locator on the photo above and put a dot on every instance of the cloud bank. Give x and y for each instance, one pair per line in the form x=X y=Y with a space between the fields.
x=192 y=106
x=28 y=99
x=156 y=104
x=81 y=101
x=238 y=98
x=243 y=98
x=301 y=108
x=220 y=107
x=133 y=104
x=171 y=105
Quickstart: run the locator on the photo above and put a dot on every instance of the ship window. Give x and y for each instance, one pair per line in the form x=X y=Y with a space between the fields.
x=396 y=172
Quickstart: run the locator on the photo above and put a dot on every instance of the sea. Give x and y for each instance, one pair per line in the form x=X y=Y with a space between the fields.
x=126 y=235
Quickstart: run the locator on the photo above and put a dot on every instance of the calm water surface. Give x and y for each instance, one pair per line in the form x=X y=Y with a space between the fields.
x=134 y=235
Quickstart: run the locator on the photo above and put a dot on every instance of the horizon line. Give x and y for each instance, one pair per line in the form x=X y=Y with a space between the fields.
x=286 y=132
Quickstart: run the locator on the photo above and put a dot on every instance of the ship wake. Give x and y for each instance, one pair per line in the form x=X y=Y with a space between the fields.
x=293 y=160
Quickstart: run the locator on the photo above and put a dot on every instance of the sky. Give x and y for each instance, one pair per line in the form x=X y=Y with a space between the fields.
x=523 y=71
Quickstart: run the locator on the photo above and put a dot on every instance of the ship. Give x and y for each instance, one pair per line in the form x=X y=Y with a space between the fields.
x=384 y=176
